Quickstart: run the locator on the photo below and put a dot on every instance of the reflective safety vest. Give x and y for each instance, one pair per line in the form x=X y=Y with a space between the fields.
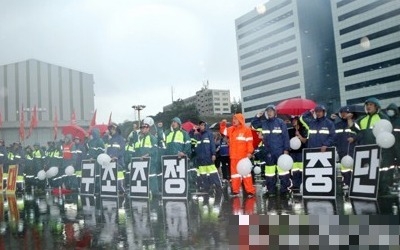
x=175 y=136
x=37 y=154
x=67 y=151
x=144 y=142
x=369 y=121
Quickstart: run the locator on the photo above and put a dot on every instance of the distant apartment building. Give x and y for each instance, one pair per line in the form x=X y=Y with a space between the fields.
x=367 y=35
x=54 y=90
x=208 y=102
x=287 y=51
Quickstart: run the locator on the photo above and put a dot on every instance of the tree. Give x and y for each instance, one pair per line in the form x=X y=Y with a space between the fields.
x=236 y=106
x=181 y=110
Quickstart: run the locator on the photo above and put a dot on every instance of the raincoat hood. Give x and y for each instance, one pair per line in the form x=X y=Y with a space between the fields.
x=95 y=133
x=393 y=107
x=240 y=117
x=374 y=101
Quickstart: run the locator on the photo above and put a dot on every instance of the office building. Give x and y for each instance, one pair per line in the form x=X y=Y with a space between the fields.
x=367 y=35
x=54 y=90
x=287 y=50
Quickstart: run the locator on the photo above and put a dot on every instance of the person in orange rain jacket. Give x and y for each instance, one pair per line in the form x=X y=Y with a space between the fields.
x=240 y=146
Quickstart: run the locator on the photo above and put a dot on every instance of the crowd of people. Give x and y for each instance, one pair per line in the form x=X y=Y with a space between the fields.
x=213 y=155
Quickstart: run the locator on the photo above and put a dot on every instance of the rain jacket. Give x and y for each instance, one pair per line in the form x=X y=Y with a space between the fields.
x=116 y=147
x=321 y=131
x=240 y=138
x=205 y=147
x=146 y=144
x=343 y=132
x=275 y=134
x=363 y=126
x=177 y=140
x=95 y=145
x=3 y=154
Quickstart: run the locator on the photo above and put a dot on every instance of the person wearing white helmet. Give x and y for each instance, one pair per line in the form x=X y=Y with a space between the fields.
x=146 y=146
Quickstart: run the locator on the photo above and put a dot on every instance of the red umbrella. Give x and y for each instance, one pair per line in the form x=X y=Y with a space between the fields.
x=102 y=128
x=188 y=126
x=295 y=106
x=75 y=131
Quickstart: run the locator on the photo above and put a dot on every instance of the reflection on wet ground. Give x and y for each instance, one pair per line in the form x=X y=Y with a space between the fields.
x=201 y=222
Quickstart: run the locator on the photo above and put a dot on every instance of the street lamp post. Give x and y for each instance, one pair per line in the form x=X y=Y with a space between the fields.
x=138 y=108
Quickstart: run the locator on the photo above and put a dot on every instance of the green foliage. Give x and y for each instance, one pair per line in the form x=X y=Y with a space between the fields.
x=181 y=110
x=236 y=106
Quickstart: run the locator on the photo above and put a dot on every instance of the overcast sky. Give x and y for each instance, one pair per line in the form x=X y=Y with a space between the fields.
x=136 y=49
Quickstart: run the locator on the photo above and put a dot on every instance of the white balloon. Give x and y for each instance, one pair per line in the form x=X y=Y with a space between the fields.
x=41 y=175
x=53 y=171
x=365 y=43
x=382 y=126
x=385 y=140
x=347 y=161
x=257 y=170
x=295 y=143
x=244 y=166
x=285 y=162
x=48 y=174
x=70 y=170
x=103 y=159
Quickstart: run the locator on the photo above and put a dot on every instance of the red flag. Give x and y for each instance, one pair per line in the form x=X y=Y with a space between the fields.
x=34 y=122
x=73 y=118
x=21 y=124
x=109 y=119
x=55 y=127
x=93 y=122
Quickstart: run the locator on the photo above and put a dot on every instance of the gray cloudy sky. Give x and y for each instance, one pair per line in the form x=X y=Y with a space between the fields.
x=136 y=49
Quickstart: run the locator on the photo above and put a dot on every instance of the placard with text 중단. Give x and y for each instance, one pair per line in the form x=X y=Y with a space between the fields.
x=319 y=174
x=365 y=177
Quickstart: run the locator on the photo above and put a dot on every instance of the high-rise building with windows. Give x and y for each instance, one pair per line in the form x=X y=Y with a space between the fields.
x=367 y=35
x=287 y=50
x=208 y=102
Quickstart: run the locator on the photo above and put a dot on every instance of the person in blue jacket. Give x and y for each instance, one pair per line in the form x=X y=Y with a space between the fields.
x=345 y=141
x=116 y=150
x=321 y=130
x=205 y=158
x=276 y=143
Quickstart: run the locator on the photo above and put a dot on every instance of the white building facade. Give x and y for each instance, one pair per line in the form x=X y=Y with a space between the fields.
x=367 y=35
x=287 y=51
x=54 y=90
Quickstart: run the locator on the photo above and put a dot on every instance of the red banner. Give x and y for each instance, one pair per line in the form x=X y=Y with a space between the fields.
x=12 y=179
x=22 y=124
x=34 y=122
x=73 y=118
x=93 y=121
x=13 y=207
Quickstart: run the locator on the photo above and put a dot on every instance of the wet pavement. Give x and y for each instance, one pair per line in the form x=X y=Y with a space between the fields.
x=74 y=221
